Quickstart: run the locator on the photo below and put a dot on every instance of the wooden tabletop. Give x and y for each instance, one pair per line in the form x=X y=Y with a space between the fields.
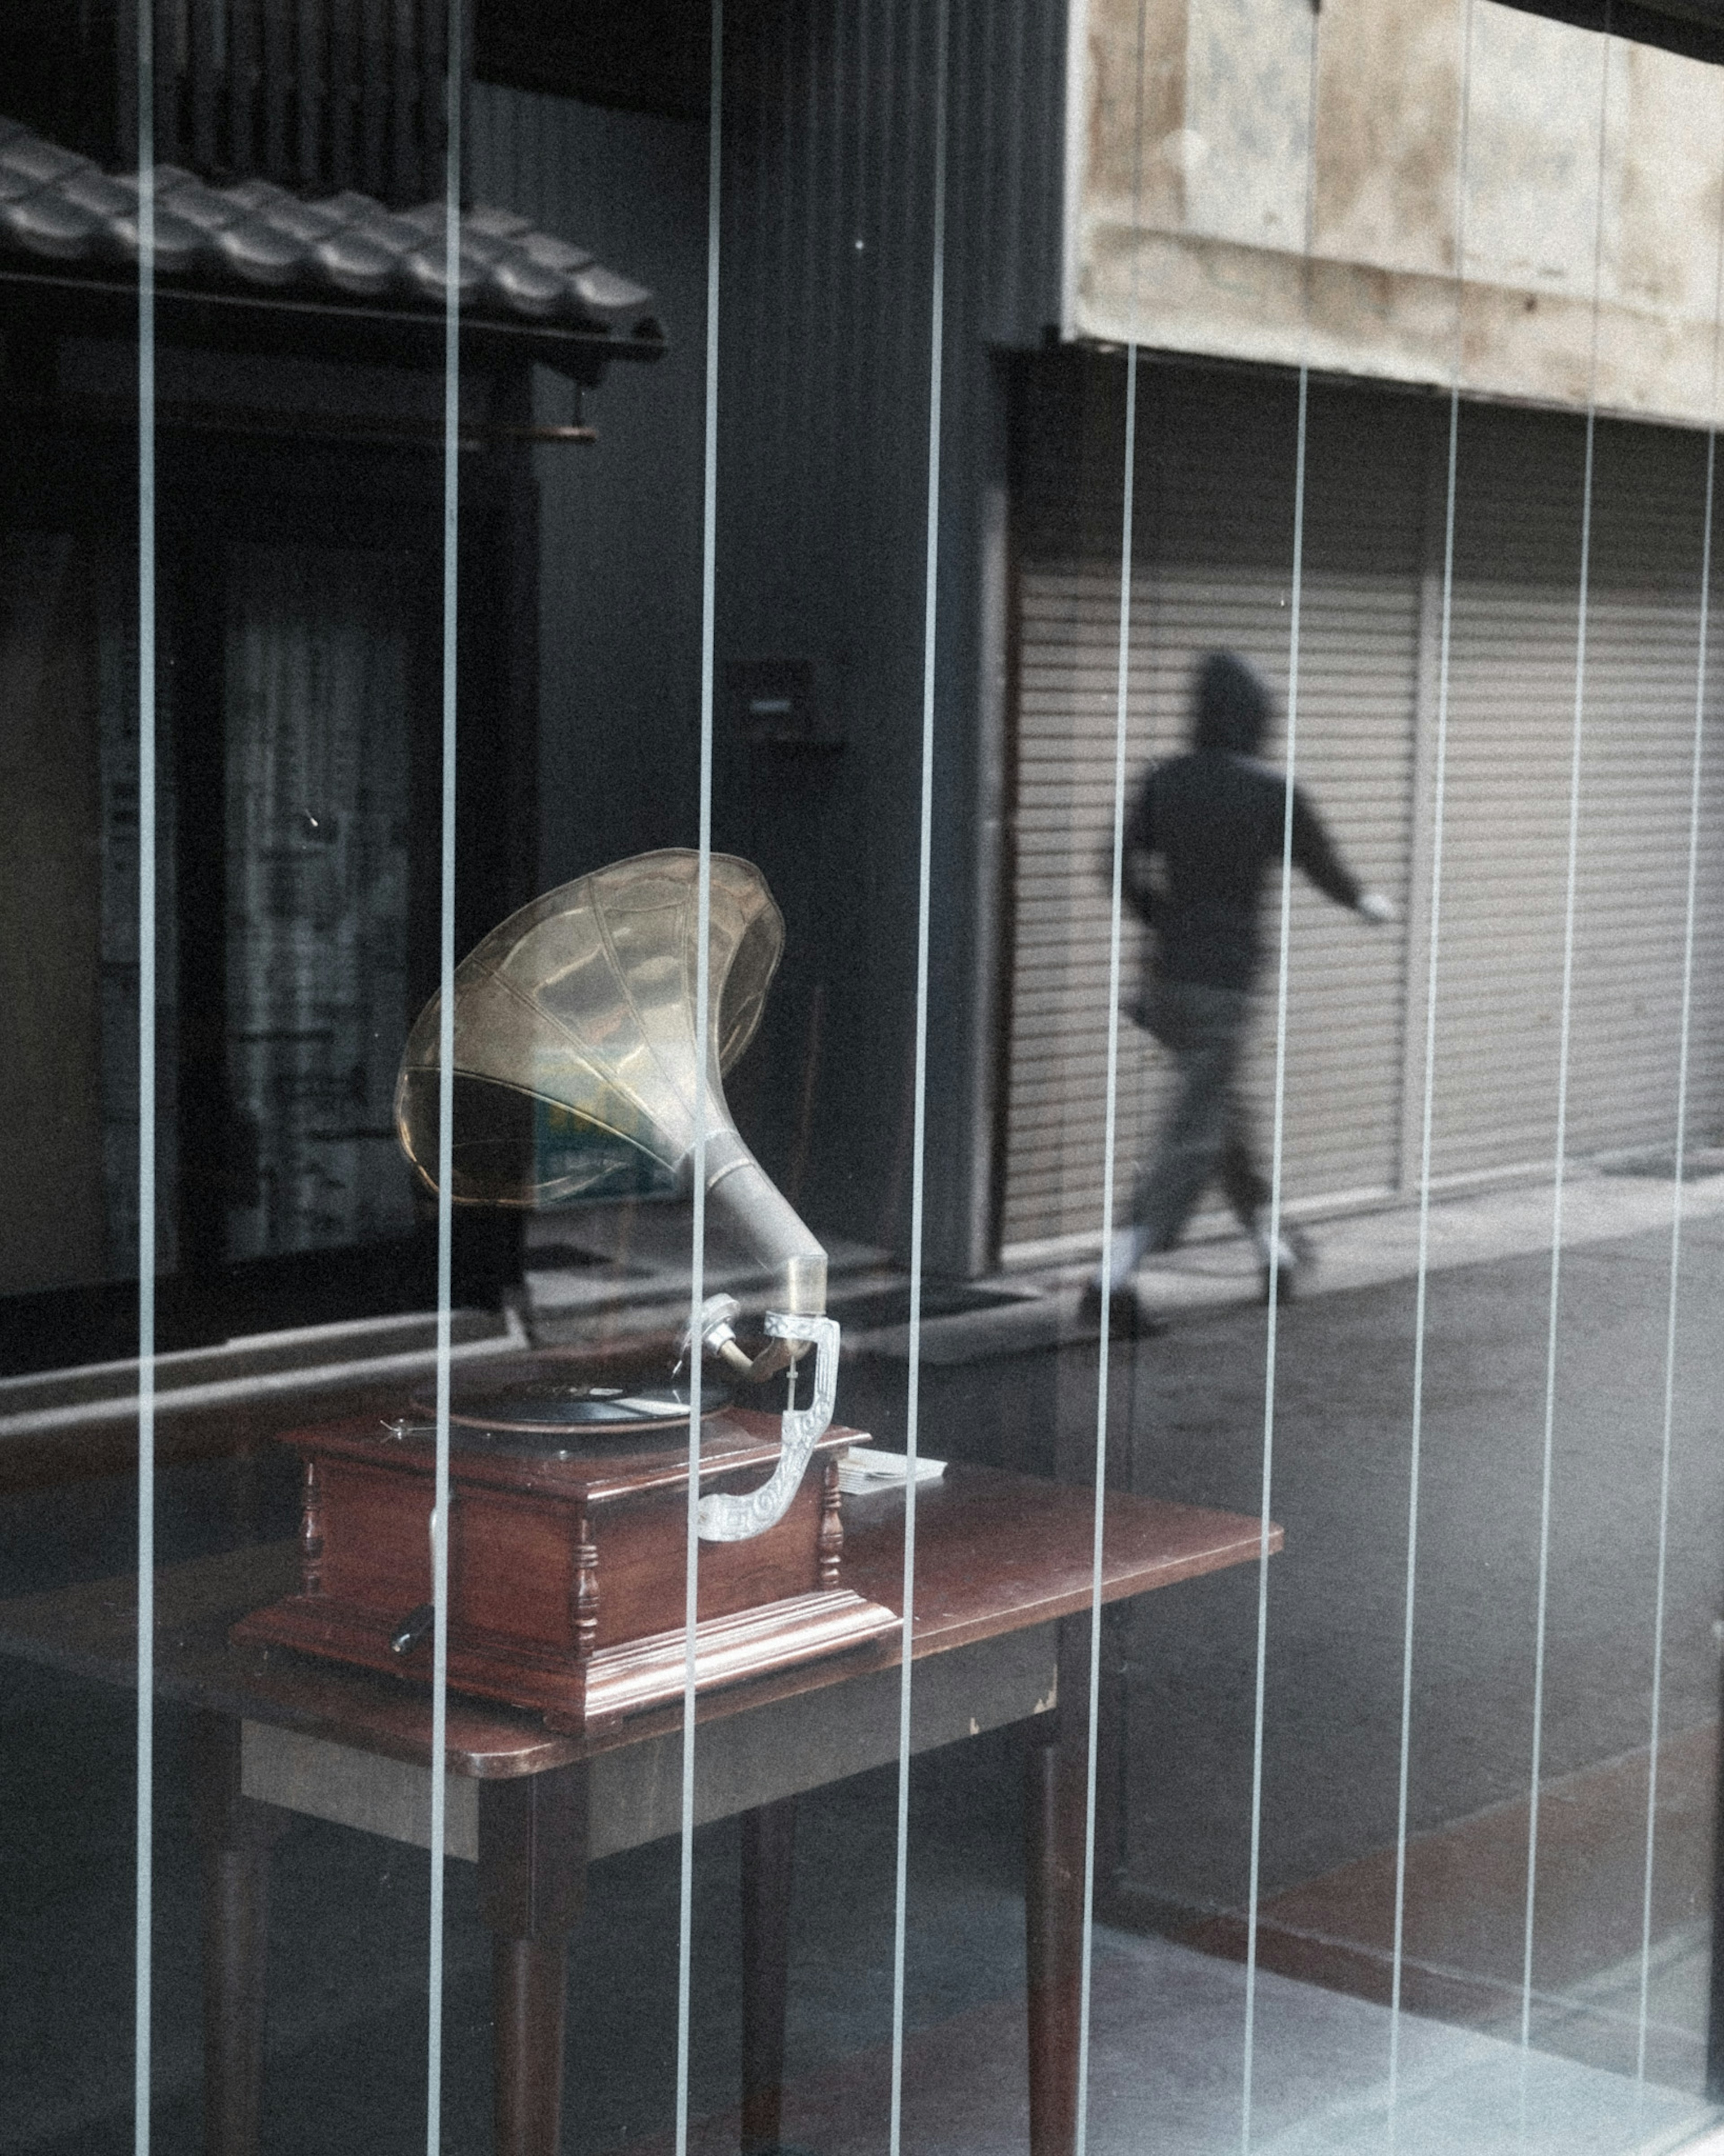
x=994 y=1553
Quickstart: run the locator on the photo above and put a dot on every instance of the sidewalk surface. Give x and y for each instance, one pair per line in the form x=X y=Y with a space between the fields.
x=1535 y=1624
x=1167 y=2072
x=1217 y=1269
x=1362 y=1249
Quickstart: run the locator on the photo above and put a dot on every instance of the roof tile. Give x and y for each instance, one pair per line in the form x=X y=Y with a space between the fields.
x=60 y=206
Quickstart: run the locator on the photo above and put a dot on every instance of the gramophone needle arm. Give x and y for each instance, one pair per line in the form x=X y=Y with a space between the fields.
x=719 y=1338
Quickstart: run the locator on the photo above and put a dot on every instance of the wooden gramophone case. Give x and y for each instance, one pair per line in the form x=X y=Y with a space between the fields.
x=576 y=1057
x=567 y=1567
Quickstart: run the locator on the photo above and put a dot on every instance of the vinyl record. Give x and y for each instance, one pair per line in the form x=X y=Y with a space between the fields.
x=558 y=1408
x=574 y=1396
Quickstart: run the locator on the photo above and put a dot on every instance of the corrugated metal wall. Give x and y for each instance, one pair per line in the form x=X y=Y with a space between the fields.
x=825 y=313
x=308 y=95
x=1212 y=545
x=827 y=233
x=620 y=583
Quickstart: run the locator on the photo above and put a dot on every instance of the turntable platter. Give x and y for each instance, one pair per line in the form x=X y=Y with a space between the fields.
x=574 y=1398
x=552 y=1408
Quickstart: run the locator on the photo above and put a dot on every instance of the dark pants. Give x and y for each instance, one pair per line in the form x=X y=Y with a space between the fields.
x=1207 y=1135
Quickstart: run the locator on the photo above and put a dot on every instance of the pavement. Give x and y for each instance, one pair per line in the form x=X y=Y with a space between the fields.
x=346 y=2010
x=1216 y=1268
x=1168 y=2071
x=1508 y=1602
x=1534 y=1625
x=1599 y=1205
x=1493 y=1594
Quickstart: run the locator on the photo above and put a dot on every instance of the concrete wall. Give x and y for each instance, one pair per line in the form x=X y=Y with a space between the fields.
x=1543 y=159
x=822 y=558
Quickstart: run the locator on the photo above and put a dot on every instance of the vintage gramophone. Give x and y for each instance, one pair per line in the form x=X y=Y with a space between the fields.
x=574 y=1074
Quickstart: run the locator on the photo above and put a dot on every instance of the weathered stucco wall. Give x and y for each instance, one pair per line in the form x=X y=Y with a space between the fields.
x=1585 y=157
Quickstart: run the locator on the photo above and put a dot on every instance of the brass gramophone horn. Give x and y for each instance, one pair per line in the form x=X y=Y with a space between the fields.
x=576 y=1062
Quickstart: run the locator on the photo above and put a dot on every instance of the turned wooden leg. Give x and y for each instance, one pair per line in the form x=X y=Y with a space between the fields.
x=532 y=1881
x=1053 y=1913
x=1055 y=1772
x=529 y=1989
x=768 y=1849
x=236 y=1836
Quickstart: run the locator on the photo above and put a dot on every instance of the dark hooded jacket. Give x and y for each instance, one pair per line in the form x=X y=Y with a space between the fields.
x=1206 y=825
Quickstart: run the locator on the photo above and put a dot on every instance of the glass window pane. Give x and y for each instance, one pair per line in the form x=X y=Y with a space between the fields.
x=1009 y=702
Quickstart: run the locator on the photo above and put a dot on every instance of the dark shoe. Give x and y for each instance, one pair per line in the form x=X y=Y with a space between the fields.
x=1126 y=1318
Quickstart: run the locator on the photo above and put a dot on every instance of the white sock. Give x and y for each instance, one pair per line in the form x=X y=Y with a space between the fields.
x=1125 y=1250
x=1277 y=1247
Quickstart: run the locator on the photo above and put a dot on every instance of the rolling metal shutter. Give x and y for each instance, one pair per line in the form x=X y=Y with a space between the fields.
x=1211 y=569
x=1511 y=742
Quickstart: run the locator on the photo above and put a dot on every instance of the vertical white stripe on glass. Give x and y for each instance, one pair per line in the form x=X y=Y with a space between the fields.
x=1439 y=805
x=1701 y=660
x=918 y=1157
x=1110 y=1129
x=697 y=1264
x=1564 y=1042
x=1296 y=603
x=146 y=1069
x=445 y=1076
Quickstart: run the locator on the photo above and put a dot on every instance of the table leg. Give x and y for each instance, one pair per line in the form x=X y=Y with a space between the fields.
x=768 y=1850
x=533 y=1881
x=236 y=1835
x=1056 y=1777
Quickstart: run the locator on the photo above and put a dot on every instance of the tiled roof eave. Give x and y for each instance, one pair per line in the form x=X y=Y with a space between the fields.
x=414 y=335
x=251 y=252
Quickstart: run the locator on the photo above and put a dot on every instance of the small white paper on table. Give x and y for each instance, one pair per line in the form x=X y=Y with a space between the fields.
x=865 y=1468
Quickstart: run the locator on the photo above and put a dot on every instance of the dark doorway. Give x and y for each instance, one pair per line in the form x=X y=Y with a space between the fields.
x=299 y=656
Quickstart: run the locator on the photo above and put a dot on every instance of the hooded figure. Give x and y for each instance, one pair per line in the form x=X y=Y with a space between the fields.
x=1204 y=832
x=1230 y=708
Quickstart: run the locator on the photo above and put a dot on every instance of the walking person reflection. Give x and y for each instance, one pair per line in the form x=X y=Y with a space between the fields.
x=1202 y=830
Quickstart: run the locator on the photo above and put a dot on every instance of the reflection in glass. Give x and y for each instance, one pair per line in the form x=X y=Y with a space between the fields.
x=316 y=843
x=69 y=871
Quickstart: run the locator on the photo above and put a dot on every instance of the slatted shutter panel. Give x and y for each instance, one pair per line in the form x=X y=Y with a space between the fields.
x=1511 y=742
x=1212 y=569
x=1213 y=548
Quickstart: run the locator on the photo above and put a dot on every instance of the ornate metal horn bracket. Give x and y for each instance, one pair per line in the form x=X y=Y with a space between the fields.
x=724 y=1518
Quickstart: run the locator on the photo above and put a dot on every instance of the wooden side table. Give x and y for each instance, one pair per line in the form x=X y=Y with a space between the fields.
x=1000 y=1636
